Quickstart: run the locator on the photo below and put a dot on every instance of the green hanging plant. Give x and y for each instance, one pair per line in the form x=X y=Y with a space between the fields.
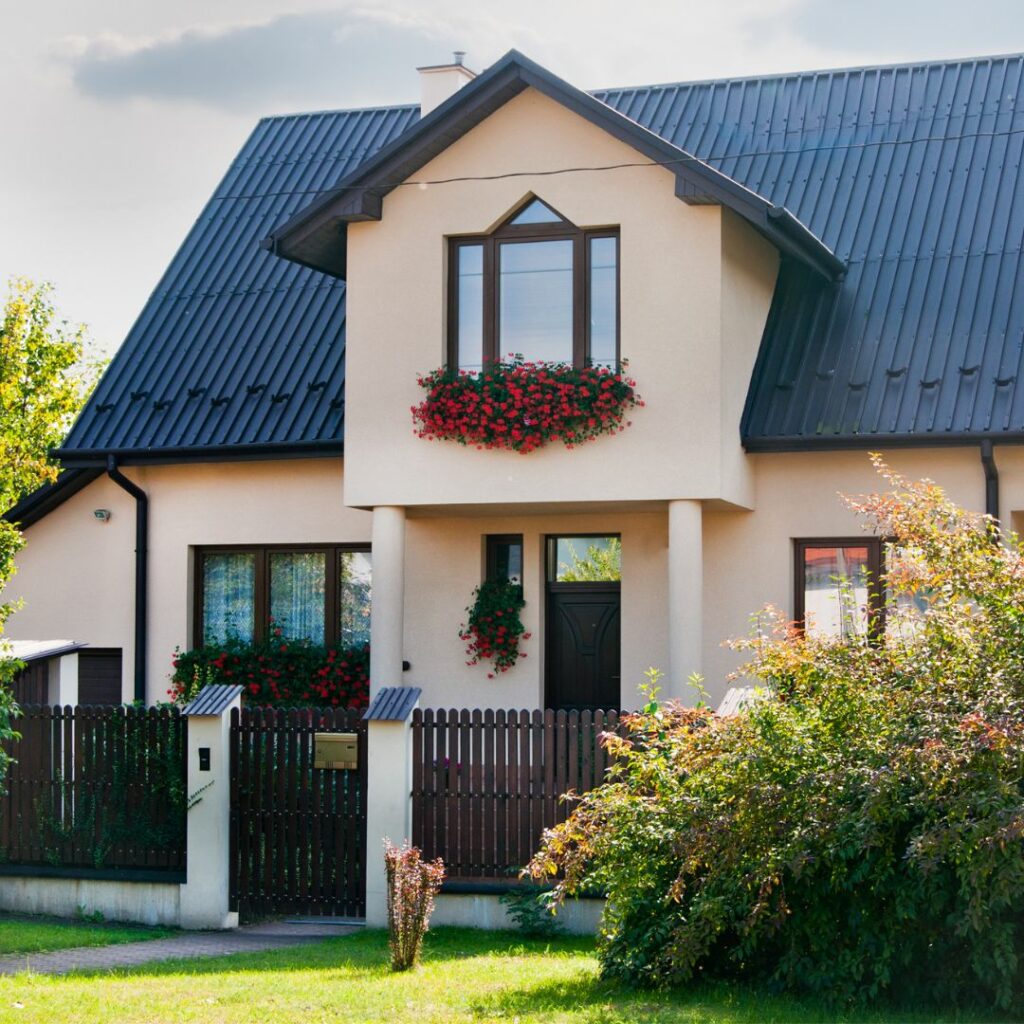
x=495 y=629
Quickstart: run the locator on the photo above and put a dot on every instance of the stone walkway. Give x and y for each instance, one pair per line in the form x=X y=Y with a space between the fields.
x=250 y=939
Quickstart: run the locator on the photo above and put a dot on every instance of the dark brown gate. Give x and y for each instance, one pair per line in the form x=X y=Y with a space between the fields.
x=298 y=833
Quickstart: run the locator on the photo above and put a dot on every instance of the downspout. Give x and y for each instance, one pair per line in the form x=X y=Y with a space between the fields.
x=141 y=570
x=988 y=463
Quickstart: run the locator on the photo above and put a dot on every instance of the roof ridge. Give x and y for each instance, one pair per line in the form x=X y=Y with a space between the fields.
x=338 y=110
x=814 y=72
x=721 y=80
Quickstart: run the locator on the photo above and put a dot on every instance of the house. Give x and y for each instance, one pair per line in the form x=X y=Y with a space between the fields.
x=799 y=269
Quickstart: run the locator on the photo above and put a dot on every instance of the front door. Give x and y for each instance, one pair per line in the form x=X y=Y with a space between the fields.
x=584 y=623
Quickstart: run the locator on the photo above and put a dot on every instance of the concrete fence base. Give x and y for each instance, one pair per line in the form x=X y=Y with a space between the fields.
x=139 y=902
x=577 y=917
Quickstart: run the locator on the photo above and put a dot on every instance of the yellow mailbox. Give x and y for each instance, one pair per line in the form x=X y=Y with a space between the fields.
x=335 y=750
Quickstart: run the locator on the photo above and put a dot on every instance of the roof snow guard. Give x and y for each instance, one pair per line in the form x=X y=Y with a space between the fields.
x=315 y=236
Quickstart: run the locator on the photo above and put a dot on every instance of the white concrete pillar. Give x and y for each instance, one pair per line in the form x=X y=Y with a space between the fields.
x=63 y=680
x=387 y=623
x=204 y=897
x=685 y=597
x=388 y=806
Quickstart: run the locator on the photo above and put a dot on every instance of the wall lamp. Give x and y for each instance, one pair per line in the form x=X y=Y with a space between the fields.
x=102 y=514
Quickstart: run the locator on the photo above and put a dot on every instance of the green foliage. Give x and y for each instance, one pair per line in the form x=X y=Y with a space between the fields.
x=600 y=563
x=858 y=832
x=44 y=381
x=138 y=801
x=530 y=907
x=277 y=672
x=495 y=628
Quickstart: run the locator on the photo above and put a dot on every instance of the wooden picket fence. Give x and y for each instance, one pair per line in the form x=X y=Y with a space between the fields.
x=487 y=783
x=96 y=788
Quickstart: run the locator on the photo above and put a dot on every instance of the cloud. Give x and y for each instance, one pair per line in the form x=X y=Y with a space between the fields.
x=344 y=57
x=918 y=28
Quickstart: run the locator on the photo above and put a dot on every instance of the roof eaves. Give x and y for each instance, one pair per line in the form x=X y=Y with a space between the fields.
x=42 y=501
x=875 y=442
x=81 y=458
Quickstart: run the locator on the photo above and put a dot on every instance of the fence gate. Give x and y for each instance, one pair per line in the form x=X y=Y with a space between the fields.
x=298 y=833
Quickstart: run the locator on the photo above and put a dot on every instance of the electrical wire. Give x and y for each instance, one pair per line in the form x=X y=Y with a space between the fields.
x=750 y=154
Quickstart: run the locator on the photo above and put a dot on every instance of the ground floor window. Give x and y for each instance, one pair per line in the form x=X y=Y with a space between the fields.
x=319 y=593
x=504 y=561
x=837 y=586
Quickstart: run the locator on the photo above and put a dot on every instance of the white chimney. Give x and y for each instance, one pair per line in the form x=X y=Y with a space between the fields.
x=439 y=81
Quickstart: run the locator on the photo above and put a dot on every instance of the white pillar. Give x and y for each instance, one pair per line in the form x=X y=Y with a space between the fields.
x=388 y=806
x=685 y=597
x=204 y=897
x=387 y=620
x=63 y=680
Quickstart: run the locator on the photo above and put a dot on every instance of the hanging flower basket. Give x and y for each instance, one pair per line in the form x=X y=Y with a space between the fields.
x=494 y=628
x=522 y=406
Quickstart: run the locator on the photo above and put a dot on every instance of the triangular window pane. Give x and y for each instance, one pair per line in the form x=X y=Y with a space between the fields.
x=536 y=212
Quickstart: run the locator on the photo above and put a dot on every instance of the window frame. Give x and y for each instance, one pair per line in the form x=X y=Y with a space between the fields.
x=508 y=233
x=261 y=584
x=491 y=543
x=876 y=566
x=551 y=561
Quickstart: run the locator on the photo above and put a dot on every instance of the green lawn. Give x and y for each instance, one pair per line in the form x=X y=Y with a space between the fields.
x=467 y=976
x=43 y=934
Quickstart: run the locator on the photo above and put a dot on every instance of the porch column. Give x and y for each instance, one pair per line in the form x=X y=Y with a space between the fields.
x=387 y=619
x=685 y=597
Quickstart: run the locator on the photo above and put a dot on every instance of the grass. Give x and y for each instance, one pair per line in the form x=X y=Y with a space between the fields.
x=45 y=934
x=467 y=976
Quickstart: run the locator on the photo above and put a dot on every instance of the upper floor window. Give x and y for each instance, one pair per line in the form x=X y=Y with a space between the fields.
x=538 y=287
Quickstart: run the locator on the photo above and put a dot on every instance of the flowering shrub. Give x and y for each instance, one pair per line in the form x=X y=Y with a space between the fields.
x=522 y=406
x=277 y=672
x=495 y=628
x=412 y=886
x=858 y=831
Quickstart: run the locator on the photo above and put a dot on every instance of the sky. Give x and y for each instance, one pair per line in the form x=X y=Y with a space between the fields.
x=119 y=117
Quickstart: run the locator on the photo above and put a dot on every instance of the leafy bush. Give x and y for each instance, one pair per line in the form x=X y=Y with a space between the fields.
x=858 y=832
x=495 y=628
x=530 y=908
x=277 y=672
x=413 y=885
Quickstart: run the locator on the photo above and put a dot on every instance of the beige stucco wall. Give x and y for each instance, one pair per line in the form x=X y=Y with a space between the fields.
x=444 y=564
x=76 y=574
x=695 y=290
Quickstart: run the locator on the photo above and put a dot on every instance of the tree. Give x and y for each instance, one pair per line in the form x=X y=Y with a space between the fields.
x=44 y=381
x=602 y=562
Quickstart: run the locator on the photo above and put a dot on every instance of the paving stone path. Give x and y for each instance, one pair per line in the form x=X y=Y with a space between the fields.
x=250 y=939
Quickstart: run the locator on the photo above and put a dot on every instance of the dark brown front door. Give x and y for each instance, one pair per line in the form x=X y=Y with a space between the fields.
x=583 y=645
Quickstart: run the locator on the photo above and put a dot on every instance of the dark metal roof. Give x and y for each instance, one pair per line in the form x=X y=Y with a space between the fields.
x=392 y=704
x=314 y=236
x=214 y=699
x=236 y=353
x=911 y=174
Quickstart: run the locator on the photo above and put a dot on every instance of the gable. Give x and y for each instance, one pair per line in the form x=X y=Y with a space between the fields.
x=315 y=236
